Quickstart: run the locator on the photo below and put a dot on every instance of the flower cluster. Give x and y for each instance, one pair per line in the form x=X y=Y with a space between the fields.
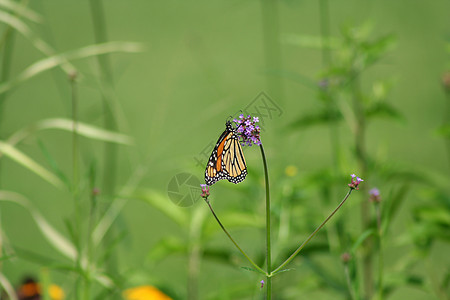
x=205 y=191
x=247 y=129
x=355 y=182
x=374 y=195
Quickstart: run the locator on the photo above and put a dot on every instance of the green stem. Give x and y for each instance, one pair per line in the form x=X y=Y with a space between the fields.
x=110 y=151
x=447 y=122
x=75 y=146
x=232 y=240
x=293 y=255
x=380 y=252
x=268 y=244
x=360 y=152
x=349 y=282
x=8 y=42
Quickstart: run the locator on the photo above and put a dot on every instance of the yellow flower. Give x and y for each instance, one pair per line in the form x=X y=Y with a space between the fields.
x=291 y=171
x=145 y=292
x=56 y=292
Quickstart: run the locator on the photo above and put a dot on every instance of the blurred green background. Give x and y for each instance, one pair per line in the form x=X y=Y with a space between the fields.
x=201 y=62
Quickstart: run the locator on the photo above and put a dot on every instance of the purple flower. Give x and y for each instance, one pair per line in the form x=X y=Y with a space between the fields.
x=355 y=182
x=247 y=130
x=262 y=283
x=374 y=195
x=205 y=191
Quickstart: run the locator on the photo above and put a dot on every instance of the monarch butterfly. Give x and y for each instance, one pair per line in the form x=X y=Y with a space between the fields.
x=227 y=159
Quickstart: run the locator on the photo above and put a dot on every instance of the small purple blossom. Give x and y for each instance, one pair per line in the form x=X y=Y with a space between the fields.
x=205 y=191
x=355 y=182
x=262 y=283
x=374 y=195
x=248 y=131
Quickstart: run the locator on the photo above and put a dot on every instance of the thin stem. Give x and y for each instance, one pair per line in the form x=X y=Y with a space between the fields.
x=360 y=152
x=268 y=244
x=349 y=282
x=447 y=122
x=8 y=39
x=75 y=183
x=232 y=240
x=75 y=146
x=312 y=234
x=110 y=150
x=380 y=252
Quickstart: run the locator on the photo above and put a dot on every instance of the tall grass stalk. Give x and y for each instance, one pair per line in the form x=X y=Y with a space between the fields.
x=8 y=45
x=81 y=284
x=333 y=129
x=105 y=70
x=107 y=83
x=359 y=132
x=7 y=41
x=446 y=83
x=380 y=251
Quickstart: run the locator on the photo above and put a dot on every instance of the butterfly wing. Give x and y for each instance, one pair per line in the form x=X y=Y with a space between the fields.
x=227 y=159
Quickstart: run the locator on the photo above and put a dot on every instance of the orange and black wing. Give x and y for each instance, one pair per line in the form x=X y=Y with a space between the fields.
x=227 y=159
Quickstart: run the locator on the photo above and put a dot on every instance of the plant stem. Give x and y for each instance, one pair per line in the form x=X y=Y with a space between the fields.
x=268 y=244
x=312 y=234
x=8 y=42
x=232 y=240
x=349 y=282
x=360 y=152
x=380 y=252
x=447 y=122
x=110 y=151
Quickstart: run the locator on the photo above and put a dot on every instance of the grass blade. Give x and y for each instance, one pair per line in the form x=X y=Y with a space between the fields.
x=30 y=164
x=83 y=129
x=57 y=240
x=60 y=59
x=38 y=43
x=7 y=286
x=21 y=10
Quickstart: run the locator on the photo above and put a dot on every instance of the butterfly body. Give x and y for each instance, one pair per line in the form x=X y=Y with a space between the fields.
x=227 y=159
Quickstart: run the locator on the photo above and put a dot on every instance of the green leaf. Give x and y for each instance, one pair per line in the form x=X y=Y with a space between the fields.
x=444 y=131
x=54 y=165
x=362 y=237
x=284 y=270
x=167 y=246
x=319 y=118
x=250 y=269
x=57 y=240
x=383 y=109
x=392 y=206
x=83 y=129
x=163 y=204
x=24 y=160
x=373 y=51
x=315 y=42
